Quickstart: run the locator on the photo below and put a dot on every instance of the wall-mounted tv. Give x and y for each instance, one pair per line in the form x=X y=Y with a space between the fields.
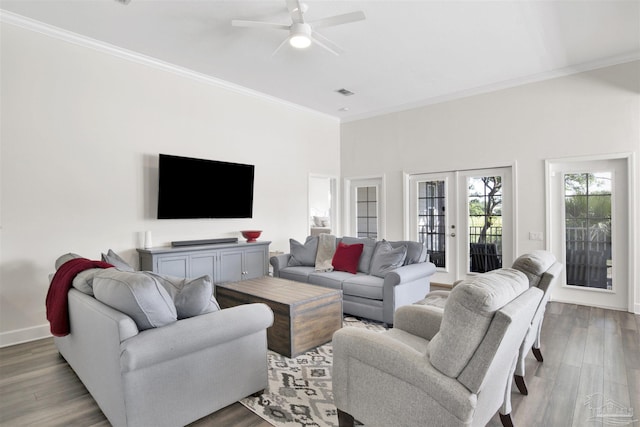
x=191 y=188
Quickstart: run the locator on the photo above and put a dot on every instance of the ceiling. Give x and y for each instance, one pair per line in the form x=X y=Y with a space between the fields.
x=403 y=55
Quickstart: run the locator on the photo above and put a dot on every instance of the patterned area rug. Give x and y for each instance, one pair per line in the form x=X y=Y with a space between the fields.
x=299 y=392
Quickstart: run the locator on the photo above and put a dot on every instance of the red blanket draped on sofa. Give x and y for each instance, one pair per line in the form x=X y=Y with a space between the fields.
x=56 y=302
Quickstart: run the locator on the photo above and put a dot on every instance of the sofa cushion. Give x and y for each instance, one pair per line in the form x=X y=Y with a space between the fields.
x=416 y=251
x=534 y=264
x=467 y=314
x=363 y=285
x=114 y=259
x=387 y=258
x=137 y=295
x=347 y=257
x=331 y=280
x=299 y=273
x=84 y=280
x=192 y=297
x=367 y=251
x=303 y=254
x=321 y=221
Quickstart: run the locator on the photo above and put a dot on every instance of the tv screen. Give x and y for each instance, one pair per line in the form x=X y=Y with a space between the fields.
x=197 y=188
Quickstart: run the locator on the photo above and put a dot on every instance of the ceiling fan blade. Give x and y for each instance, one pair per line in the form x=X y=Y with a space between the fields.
x=259 y=24
x=295 y=10
x=280 y=46
x=325 y=43
x=338 y=19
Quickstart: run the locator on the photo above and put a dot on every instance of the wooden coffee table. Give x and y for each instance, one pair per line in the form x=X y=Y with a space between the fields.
x=305 y=316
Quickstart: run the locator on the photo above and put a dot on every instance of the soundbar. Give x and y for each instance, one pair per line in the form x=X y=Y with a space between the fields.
x=204 y=242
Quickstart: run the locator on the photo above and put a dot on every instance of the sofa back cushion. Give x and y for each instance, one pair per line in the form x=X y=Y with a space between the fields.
x=387 y=258
x=467 y=315
x=137 y=295
x=534 y=264
x=303 y=254
x=369 y=245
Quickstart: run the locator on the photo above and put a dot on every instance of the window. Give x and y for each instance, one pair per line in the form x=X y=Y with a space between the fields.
x=587 y=201
x=431 y=219
x=485 y=223
x=367 y=212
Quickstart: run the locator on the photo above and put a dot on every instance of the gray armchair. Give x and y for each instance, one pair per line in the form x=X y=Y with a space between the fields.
x=542 y=270
x=450 y=367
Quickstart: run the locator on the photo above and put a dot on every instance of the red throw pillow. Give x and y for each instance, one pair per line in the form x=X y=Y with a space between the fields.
x=347 y=257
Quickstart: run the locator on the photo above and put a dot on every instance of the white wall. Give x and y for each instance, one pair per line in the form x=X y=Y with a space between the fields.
x=81 y=131
x=590 y=113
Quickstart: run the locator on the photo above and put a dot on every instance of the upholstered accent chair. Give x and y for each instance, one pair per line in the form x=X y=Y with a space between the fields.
x=438 y=367
x=542 y=271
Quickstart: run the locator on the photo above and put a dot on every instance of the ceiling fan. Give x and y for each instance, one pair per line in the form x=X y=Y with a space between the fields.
x=303 y=33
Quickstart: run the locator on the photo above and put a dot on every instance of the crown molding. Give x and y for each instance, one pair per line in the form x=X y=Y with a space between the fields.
x=103 y=47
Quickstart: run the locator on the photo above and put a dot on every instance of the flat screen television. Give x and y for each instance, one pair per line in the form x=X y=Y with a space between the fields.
x=190 y=188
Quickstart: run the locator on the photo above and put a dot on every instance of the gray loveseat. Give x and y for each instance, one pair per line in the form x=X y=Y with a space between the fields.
x=377 y=289
x=169 y=375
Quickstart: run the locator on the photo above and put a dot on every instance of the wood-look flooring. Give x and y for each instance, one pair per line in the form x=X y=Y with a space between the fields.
x=586 y=351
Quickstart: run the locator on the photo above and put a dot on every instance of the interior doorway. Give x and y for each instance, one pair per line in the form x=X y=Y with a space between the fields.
x=322 y=204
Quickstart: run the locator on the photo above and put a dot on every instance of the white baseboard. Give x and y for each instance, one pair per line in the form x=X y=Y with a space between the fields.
x=24 y=335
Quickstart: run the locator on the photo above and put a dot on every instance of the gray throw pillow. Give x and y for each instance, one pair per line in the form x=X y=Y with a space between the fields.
x=387 y=258
x=114 y=259
x=303 y=255
x=192 y=297
x=137 y=295
x=416 y=252
x=364 y=264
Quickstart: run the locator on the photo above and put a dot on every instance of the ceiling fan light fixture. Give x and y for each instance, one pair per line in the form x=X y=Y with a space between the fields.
x=300 y=37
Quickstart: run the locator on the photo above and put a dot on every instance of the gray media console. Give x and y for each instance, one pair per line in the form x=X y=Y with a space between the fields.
x=225 y=262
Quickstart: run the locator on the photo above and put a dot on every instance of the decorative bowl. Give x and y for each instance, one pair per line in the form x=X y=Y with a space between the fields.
x=251 y=235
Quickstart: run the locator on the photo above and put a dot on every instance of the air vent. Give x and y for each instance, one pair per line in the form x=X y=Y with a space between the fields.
x=344 y=92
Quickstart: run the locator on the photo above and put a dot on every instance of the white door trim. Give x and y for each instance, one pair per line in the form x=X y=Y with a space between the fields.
x=632 y=207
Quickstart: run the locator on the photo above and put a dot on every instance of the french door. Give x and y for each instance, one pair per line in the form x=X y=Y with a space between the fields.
x=464 y=219
x=588 y=210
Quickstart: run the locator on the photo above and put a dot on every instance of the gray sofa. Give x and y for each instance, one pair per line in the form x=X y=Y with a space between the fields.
x=162 y=376
x=370 y=294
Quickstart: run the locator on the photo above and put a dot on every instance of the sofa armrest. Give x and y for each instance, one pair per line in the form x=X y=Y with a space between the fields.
x=187 y=336
x=409 y=273
x=394 y=360
x=278 y=262
x=420 y=320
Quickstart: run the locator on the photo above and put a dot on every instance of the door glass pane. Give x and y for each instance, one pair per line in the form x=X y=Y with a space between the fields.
x=431 y=220
x=367 y=212
x=587 y=202
x=484 y=200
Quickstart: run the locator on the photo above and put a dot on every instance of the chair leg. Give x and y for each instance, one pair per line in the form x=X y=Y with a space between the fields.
x=506 y=420
x=521 y=384
x=537 y=353
x=344 y=419
x=258 y=393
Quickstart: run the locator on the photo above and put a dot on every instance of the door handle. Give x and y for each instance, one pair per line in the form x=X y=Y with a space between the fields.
x=453 y=234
